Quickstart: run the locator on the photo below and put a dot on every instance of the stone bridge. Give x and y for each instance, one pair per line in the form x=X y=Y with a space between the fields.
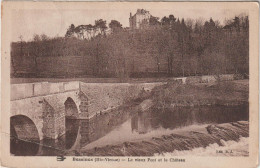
x=39 y=110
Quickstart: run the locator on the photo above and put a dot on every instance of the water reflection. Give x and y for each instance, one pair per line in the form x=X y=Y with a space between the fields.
x=23 y=148
x=120 y=125
x=184 y=116
x=78 y=133
x=72 y=129
x=22 y=127
x=154 y=122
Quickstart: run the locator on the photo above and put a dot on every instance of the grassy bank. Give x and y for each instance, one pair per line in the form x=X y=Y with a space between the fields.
x=218 y=93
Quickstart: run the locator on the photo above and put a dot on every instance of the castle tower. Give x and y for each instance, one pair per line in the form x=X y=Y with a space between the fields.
x=137 y=20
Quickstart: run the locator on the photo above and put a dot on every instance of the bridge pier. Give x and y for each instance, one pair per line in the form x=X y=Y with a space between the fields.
x=83 y=106
x=47 y=105
x=55 y=114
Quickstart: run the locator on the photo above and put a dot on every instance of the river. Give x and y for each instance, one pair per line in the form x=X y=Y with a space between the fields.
x=131 y=125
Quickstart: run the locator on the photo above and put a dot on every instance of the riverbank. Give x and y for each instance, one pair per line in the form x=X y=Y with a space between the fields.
x=91 y=79
x=180 y=140
x=228 y=93
x=173 y=95
x=159 y=119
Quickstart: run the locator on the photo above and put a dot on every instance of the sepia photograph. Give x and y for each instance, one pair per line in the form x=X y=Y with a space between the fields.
x=128 y=82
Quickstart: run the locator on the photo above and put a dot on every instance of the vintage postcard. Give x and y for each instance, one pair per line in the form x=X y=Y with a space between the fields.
x=129 y=84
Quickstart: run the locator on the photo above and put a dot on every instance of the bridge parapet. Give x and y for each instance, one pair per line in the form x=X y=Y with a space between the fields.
x=27 y=90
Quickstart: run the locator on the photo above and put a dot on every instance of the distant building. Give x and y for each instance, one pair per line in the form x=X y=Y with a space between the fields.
x=140 y=18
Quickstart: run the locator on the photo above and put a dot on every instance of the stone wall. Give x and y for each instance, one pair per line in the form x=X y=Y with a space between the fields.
x=206 y=78
x=48 y=120
x=27 y=90
x=31 y=108
x=47 y=112
x=106 y=96
x=44 y=102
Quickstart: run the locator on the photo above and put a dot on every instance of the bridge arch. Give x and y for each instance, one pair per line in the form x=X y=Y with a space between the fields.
x=24 y=136
x=71 y=110
x=71 y=125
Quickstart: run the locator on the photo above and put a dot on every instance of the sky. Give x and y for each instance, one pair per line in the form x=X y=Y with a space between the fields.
x=55 y=22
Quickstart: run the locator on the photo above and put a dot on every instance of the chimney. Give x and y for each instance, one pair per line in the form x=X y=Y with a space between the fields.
x=130 y=14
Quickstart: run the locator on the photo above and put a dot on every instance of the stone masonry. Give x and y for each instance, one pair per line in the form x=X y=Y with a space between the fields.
x=48 y=104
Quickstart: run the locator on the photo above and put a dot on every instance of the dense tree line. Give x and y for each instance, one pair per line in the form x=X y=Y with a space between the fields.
x=170 y=46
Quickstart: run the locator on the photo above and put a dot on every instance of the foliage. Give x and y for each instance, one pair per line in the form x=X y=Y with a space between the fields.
x=171 y=46
x=115 y=26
